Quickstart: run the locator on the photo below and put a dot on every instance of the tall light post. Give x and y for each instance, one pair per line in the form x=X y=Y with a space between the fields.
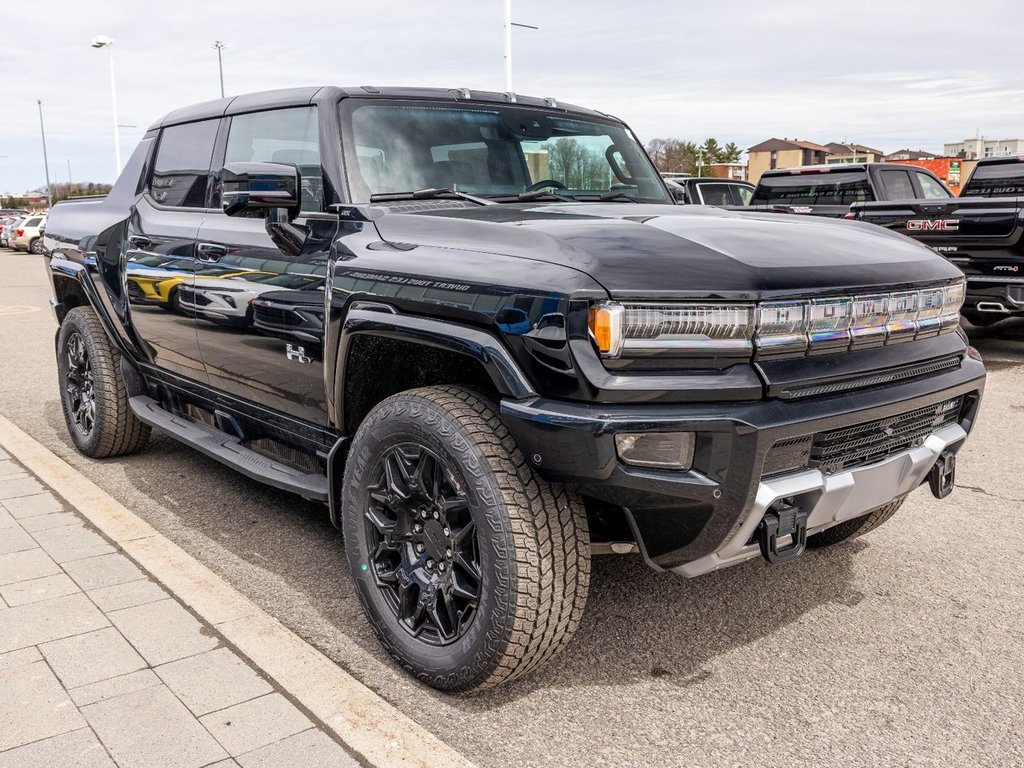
x=102 y=41
x=507 y=36
x=220 y=63
x=46 y=162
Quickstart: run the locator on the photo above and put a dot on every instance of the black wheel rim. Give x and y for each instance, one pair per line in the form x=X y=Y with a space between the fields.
x=422 y=544
x=79 y=384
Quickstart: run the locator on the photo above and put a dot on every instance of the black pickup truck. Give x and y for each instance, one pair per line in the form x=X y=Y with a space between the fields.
x=981 y=232
x=506 y=350
x=830 y=190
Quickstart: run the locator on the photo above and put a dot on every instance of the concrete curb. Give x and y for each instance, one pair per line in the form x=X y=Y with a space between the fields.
x=360 y=718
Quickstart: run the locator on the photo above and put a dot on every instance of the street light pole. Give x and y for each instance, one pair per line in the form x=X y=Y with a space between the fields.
x=507 y=33
x=507 y=42
x=46 y=162
x=220 y=64
x=101 y=41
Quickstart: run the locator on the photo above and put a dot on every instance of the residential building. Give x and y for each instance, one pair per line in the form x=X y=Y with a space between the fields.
x=733 y=171
x=783 y=153
x=973 y=149
x=907 y=154
x=842 y=152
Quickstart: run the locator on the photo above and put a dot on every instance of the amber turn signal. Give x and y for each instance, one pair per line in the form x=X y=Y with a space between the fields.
x=606 y=328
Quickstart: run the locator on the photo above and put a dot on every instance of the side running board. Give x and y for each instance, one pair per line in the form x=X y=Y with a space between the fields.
x=227 y=449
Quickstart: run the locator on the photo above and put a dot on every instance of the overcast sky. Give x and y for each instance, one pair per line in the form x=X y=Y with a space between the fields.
x=886 y=74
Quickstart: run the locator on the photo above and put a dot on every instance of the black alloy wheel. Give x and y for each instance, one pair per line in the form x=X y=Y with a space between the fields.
x=424 y=550
x=78 y=382
x=471 y=569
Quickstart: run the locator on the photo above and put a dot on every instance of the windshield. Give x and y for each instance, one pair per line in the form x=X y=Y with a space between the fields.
x=829 y=188
x=490 y=151
x=996 y=180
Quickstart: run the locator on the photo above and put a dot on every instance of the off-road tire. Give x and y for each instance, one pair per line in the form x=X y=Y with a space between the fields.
x=851 y=529
x=115 y=430
x=533 y=541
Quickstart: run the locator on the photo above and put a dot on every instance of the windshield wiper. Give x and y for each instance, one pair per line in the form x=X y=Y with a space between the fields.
x=536 y=194
x=609 y=196
x=428 y=194
x=606 y=197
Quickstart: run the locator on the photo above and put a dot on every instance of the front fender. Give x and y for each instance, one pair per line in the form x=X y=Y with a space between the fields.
x=381 y=320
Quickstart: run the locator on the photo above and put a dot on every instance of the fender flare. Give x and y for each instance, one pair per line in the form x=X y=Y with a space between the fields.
x=79 y=274
x=380 y=320
x=376 y=319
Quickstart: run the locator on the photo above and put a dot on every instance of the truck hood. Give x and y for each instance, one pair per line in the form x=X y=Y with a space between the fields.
x=696 y=251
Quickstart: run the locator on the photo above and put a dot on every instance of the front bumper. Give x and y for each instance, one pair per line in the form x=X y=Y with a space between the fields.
x=699 y=520
x=994 y=295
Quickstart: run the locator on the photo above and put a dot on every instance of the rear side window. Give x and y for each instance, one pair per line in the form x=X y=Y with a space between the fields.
x=32 y=222
x=289 y=136
x=996 y=180
x=718 y=194
x=830 y=188
x=182 y=167
x=930 y=188
x=898 y=185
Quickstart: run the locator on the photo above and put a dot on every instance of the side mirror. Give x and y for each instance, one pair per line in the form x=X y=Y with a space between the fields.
x=255 y=188
x=678 y=193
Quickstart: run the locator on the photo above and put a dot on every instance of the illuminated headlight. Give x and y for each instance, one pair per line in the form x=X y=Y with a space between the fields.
x=775 y=328
x=637 y=329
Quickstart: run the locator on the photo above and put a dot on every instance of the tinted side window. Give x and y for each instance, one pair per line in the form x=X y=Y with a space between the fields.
x=898 y=185
x=717 y=194
x=930 y=188
x=288 y=136
x=182 y=165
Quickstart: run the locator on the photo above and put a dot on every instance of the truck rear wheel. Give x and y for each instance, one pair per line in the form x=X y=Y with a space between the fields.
x=471 y=569
x=851 y=529
x=92 y=392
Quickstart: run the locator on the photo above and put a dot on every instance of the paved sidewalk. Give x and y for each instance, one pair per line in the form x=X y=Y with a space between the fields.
x=101 y=666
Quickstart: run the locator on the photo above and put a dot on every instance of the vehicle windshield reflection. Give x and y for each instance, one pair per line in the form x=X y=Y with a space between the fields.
x=492 y=151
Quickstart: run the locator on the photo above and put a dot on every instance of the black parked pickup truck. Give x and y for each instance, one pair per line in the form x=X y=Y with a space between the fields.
x=981 y=232
x=521 y=353
x=830 y=190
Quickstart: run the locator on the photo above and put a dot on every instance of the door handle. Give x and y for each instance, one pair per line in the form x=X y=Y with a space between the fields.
x=210 y=251
x=139 y=241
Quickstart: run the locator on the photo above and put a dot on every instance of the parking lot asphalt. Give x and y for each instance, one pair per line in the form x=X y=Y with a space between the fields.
x=901 y=648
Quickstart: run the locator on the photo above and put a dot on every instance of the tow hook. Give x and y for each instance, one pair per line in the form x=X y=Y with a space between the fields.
x=942 y=477
x=782 y=520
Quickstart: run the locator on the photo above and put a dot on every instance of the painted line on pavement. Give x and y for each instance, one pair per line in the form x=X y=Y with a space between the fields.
x=362 y=719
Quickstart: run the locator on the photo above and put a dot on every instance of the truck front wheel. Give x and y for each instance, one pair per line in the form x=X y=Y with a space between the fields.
x=92 y=392
x=471 y=569
x=851 y=529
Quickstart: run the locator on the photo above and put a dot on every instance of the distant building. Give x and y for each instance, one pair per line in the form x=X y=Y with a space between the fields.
x=841 y=152
x=907 y=154
x=973 y=149
x=783 y=153
x=734 y=171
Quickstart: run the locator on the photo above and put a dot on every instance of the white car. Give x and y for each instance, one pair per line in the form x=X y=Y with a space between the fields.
x=28 y=234
x=229 y=299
